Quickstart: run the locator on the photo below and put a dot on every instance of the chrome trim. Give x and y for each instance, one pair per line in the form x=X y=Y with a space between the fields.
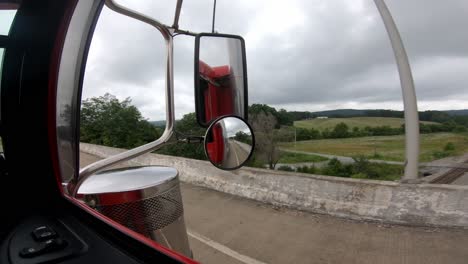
x=149 y=203
x=170 y=119
x=145 y=187
x=175 y=25
x=68 y=87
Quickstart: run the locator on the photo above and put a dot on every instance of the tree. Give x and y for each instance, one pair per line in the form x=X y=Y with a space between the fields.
x=187 y=126
x=107 y=121
x=243 y=137
x=341 y=130
x=266 y=137
x=284 y=118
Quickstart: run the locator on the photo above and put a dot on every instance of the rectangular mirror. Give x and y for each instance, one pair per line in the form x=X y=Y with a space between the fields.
x=220 y=77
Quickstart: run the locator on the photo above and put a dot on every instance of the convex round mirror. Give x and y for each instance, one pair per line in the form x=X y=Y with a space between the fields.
x=229 y=142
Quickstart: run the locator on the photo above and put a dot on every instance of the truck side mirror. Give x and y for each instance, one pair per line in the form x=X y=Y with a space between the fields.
x=220 y=77
x=229 y=142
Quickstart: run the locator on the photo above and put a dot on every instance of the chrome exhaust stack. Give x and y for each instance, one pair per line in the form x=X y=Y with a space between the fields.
x=144 y=199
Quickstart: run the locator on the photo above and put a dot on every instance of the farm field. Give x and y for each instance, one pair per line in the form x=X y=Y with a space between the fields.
x=383 y=147
x=361 y=122
x=288 y=157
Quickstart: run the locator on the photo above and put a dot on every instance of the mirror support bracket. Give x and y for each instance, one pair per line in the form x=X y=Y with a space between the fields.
x=167 y=136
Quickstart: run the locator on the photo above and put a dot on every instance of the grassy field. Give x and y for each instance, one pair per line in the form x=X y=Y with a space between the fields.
x=361 y=122
x=386 y=147
x=288 y=157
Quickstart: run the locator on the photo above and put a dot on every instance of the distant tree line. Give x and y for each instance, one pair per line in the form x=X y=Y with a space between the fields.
x=287 y=118
x=448 y=123
x=342 y=130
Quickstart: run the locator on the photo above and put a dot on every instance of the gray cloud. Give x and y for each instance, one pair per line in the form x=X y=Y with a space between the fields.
x=302 y=55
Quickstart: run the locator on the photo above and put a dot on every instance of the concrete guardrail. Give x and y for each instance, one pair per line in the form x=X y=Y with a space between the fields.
x=389 y=202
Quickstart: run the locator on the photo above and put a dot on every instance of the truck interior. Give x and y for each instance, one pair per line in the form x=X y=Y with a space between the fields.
x=39 y=224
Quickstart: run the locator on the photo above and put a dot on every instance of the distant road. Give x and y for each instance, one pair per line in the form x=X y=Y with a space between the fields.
x=238 y=153
x=342 y=159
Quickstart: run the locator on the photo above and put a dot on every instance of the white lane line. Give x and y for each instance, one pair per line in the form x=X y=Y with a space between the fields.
x=237 y=157
x=236 y=255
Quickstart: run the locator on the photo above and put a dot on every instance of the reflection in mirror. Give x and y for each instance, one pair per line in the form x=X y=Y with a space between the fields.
x=229 y=142
x=221 y=81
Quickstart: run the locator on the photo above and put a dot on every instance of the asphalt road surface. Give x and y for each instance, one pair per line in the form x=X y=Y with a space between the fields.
x=236 y=155
x=227 y=229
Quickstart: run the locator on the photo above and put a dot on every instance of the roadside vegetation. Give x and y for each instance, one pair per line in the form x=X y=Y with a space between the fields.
x=364 y=134
x=360 y=169
x=290 y=157
x=391 y=148
x=322 y=124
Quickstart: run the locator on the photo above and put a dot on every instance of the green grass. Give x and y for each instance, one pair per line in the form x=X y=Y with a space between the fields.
x=387 y=147
x=361 y=169
x=288 y=157
x=361 y=122
x=383 y=172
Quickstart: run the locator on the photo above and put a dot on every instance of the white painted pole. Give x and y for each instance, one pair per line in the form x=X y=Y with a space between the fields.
x=409 y=94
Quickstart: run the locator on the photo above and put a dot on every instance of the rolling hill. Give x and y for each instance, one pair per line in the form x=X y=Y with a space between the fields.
x=379 y=112
x=159 y=123
x=361 y=122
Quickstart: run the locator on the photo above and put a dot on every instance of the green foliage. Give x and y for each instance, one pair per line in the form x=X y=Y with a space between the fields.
x=359 y=123
x=243 y=137
x=336 y=168
x=307 y=134
x=359 y=176
x=266 y=136
x=255 y=162
x=461 y=120
x=285 y=118
x=390 y=148
x=449 y=125
x=383 y=131
x=440 y=154
x=449 y=146
x=186 y=126
x=360 y=169
x=289 y=157
x=107 y=121
x=187 y=150
x=308 y=169
x=285 y=168
x=341 y=130
x=447 y=151
x=459 y=129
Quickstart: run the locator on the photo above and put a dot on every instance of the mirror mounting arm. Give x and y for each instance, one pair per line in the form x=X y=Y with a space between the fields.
x=177 y=31
x=193 y=139
x=167 y=135
x=175 y=25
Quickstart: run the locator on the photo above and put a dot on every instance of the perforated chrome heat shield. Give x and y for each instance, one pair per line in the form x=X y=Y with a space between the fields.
x=147 y=200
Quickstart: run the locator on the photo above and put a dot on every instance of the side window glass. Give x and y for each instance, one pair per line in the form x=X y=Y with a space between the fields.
x=6 y=20
x=123 y=102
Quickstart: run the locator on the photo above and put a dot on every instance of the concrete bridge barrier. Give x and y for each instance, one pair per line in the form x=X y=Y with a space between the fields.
x=388 y=202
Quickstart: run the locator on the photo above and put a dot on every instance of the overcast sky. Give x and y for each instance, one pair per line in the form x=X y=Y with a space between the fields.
x=234 y=125
x=301 y=54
